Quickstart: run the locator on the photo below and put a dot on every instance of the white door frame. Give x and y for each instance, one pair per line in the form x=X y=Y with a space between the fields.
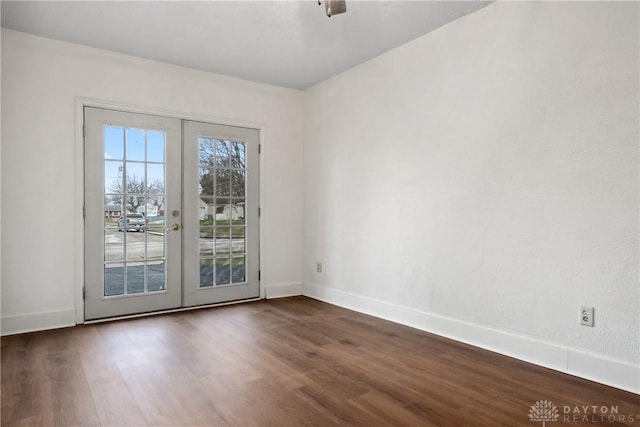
x=80 y=103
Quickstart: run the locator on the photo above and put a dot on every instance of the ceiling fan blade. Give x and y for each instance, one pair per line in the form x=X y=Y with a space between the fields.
x=335 y=7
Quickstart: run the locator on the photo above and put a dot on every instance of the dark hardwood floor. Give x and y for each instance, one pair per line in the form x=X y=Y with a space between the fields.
x=285 y=362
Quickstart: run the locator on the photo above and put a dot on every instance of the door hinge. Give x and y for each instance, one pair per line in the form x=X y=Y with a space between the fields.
x=83 y=131
x=84 y=292
x=259 y=274
x=259 y=148
x=259 y=212
x=84 y=212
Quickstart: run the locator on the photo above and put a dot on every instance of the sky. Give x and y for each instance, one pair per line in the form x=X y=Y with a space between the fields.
x=133 y=151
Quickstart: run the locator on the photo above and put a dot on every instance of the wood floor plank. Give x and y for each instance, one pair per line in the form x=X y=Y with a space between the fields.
x=72 y=400
x=335 y=408
x=114 y=401
x=285 y=362
x=26 y=390
x=168 y=395
x=267 y=403
x=390 y=411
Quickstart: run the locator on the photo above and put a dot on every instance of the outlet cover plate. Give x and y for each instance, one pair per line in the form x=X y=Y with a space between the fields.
x=586 y=316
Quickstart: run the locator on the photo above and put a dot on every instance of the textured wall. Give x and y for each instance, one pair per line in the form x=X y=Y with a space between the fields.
x=487 y=172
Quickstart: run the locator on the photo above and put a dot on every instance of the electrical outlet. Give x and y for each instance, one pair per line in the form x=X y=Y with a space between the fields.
x=318 y=267
x=586 y=316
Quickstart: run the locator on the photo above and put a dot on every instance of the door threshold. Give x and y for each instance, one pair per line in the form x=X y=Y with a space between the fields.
x=171 y=310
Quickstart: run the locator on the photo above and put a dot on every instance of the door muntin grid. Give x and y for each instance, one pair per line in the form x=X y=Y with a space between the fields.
x=222 y=212
x=134 y=198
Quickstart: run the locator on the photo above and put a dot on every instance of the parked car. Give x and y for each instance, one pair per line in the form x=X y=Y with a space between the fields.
x=132 y=222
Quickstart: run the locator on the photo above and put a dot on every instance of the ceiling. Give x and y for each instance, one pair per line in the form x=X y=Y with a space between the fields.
x=284 y=43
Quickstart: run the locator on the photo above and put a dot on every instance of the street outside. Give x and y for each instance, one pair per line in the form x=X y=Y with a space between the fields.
x=114 y=245
x=151 y=252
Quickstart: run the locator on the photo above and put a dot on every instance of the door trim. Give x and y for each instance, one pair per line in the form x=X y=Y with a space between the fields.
x=80 y=104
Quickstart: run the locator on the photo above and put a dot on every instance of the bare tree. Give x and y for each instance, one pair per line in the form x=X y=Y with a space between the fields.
x=136 y=192
x=222 y=166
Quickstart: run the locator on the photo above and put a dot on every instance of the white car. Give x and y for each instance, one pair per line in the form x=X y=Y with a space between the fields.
x=132 y=222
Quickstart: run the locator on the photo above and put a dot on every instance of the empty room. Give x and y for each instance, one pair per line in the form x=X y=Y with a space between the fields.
x=334 y=213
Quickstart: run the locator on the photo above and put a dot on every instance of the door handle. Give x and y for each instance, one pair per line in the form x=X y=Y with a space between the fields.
x=175 y=227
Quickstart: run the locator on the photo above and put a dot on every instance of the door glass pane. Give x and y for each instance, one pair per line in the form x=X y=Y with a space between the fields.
x=113 y=245
x=238 y=214
x=207 y=152
x=222 y=182
x=113 y=207
x=155 y=178
x=113 y=279
x=223 y=271
x=134 y=237
x=113 y=176
x=155 y=245
x=155 y=213
x=206 y=242
x=206 y=182
x=155 y=276
x=238 y=269
x=206 y=272
x=135 y=244
x=135 y=278
x=135 y=147
x=206 y=210
x=207 y=233
x=237 y=244
x=222 y=153
x=113 y=143
x=155 y=147
x=223 y=243
x=222 y=233
x=135 y=179
x=237 y=183
x=237 y=155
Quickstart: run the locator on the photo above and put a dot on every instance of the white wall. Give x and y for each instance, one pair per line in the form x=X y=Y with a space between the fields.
x=482 y=182
x=41 y=163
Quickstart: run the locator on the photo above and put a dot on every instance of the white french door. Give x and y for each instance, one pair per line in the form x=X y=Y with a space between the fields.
x=142 y=252
x=220 y=213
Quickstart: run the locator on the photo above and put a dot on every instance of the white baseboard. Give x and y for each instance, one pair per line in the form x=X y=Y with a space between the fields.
x=282 y=290
x=603 y=370
x=12 y=325
x=615 y=373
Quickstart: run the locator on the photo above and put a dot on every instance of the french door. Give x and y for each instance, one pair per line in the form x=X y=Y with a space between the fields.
x=171 y=216
x=220 y=213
